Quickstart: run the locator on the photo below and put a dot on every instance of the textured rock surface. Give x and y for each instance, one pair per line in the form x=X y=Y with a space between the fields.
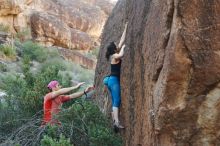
x=4 y=37
x=170 y=73
x=75 y=56
x=76 y=24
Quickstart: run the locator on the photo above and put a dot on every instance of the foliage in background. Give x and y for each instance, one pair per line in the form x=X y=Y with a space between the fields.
x=34 y=51
x=93 y=54
x=4 y=28
x=61 y=141
x=3 y=67
x=8 y=51
x=87 y=125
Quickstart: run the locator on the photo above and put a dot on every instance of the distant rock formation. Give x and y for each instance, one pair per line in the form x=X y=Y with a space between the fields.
x=75 y=56
x=170 y=78
x=74 y=24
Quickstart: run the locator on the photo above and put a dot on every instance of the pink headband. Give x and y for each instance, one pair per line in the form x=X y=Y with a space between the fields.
x=52 y=84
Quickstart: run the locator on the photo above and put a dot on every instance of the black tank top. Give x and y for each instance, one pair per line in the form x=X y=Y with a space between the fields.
x=116 y=69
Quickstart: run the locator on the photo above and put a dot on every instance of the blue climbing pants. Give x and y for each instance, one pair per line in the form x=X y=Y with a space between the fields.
x=114 y=88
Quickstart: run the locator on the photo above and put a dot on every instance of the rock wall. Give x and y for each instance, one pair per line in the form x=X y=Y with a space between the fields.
x=4 y=37
x=74 y=24
x=170 y=79
x=75 y=56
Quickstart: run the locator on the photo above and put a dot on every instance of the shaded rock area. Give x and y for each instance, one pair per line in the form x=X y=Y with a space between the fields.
x=74 y=24
x=75 y=56
x=170 y=79
x=4 y=37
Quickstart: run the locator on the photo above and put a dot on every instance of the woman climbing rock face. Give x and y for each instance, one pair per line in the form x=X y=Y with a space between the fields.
x=113 y=81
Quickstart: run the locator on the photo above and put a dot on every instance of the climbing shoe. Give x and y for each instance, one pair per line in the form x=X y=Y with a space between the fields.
x=117 y=127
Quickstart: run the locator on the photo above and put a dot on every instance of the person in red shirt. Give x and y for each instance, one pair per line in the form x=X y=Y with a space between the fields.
x=54 y=100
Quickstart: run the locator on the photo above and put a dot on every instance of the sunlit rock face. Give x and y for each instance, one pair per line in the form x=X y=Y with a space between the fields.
x=74 y=24
x=170 y=79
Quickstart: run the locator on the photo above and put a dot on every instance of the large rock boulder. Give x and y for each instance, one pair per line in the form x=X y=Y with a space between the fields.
x=170 y=80
x=75 y=24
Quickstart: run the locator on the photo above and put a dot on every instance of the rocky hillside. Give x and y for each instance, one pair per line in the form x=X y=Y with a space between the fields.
x=170 y=72
x=75 y=24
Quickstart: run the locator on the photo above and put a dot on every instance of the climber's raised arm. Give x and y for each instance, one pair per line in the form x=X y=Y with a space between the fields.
x=122 y=40
x=120 y=54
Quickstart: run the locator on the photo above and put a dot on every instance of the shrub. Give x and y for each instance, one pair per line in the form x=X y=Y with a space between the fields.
x=34 y=51
x=86 y=125
x=62 y=141
x=8 y=50
x=4 y=28
x=3 y=67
